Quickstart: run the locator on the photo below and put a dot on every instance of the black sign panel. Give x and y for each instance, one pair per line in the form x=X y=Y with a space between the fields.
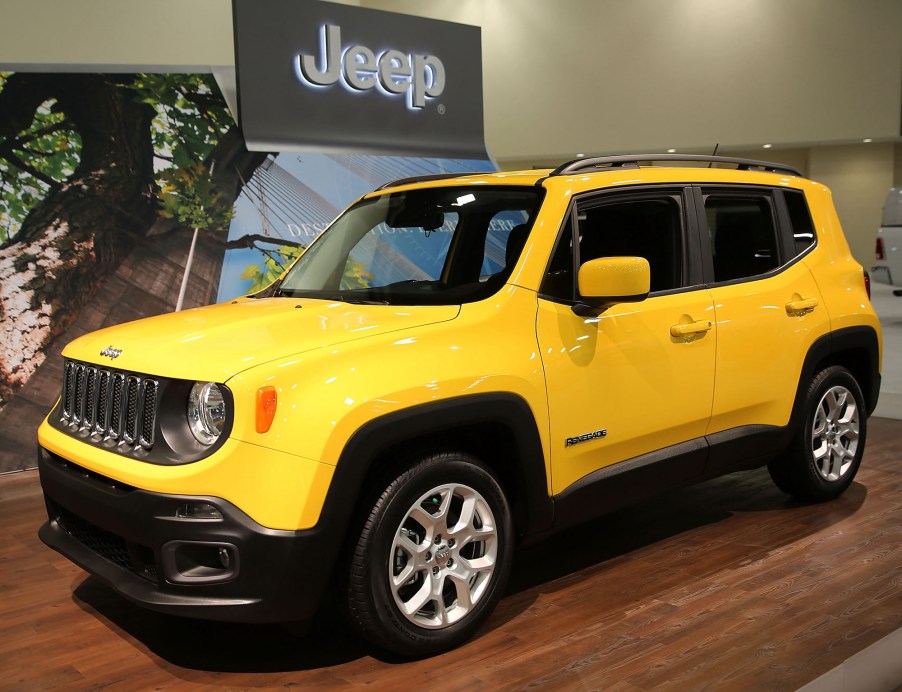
x=319 y=75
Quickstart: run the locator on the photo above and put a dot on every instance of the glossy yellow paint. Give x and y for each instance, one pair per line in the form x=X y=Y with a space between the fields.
x=214 y=343
x=325 y=395
x=609 y=277
x=624 y=373
x=276 y=489
x=839 y=276
x=761 y=345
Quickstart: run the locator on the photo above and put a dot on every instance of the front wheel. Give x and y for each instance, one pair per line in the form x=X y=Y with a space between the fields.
x=432 y=558
x=826 y=452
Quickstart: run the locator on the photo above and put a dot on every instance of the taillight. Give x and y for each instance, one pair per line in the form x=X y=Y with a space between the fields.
x=867 y=284
x=880 y=254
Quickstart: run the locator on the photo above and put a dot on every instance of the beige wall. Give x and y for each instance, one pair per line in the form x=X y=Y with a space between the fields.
x=859 y=176
x=561 y=77
x=590 y=76
x=169 y=35
x=166 y=35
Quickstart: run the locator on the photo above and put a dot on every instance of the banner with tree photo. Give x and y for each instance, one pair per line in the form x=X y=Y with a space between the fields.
x=105 y=180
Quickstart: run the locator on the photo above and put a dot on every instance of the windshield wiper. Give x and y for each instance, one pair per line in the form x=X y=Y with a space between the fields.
x=274 y=291
x=363 y=301
x=271 y=291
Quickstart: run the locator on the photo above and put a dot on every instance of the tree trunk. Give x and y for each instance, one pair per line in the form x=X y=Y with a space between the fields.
x=72 y=240
x=233 y=165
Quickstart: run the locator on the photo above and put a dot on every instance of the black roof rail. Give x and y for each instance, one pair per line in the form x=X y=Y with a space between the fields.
x=632 y=161
x=419 y=179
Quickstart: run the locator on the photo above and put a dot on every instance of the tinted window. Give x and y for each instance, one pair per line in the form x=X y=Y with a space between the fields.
x=647 y=226
x=505 y=238
x=803 y=234
x=743 y=236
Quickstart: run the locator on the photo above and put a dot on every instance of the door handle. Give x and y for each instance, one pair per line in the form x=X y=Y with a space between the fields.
x=690 y=328
x=801 y=307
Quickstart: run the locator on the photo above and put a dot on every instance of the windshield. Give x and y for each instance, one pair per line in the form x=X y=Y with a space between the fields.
x=433 y=246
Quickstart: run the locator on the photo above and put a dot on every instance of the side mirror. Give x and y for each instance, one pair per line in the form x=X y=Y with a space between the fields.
x=610 y=280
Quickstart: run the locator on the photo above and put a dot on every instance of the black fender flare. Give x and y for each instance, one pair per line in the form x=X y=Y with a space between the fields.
x=533 y=511
x=827 y=348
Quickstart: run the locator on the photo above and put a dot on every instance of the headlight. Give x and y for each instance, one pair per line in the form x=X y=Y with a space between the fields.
x=206 y=412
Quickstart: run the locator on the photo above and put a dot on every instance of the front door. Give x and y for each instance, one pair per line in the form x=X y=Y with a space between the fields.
x=638 y=377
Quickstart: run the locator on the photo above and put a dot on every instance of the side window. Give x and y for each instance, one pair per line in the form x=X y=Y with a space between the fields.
x=803 y=234
x=648 y=226
x=504 y=239
x=743 y=235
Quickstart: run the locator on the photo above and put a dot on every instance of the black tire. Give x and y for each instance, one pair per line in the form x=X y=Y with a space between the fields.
x=446 y=575
x=826 y=452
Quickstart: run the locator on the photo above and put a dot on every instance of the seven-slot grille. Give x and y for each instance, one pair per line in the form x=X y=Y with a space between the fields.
x=115 y=405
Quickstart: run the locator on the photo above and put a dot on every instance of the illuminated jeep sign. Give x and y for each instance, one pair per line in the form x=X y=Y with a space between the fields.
x=360 y=69
x=329 y=77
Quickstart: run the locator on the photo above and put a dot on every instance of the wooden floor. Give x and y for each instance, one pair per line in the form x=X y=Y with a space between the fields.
x=727 y=585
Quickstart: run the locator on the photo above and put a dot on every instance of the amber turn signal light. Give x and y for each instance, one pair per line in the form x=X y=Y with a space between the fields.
x=266 y=408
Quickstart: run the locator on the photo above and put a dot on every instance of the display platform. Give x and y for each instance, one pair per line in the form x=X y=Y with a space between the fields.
x=727 y=585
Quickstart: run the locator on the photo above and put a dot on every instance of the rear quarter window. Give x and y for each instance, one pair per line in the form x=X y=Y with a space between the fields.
x=803 y=234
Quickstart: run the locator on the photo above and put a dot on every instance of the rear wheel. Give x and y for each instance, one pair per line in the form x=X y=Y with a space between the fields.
x=826 y=452
x=432 y=558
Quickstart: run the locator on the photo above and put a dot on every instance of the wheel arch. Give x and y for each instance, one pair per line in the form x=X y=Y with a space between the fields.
x=499 y=429
x=857 y=349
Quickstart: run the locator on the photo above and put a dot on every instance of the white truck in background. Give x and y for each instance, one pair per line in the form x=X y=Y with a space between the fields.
x=888 y=265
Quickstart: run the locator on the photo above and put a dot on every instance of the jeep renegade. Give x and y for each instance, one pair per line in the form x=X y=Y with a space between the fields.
x=456 y=365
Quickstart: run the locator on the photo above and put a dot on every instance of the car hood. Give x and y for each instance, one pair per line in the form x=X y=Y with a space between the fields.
x=218 y=341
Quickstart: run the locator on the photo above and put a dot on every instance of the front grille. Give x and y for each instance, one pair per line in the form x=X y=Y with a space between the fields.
x=137 y=559
x=111 y=404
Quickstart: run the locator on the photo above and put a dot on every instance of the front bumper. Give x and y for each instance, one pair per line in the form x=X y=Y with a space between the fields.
x=229 y=568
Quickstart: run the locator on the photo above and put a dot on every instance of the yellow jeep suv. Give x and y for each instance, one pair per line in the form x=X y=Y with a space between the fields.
x=457 y=365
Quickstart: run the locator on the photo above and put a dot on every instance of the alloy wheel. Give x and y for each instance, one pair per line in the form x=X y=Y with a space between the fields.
x=443 y=555
x=834 y=433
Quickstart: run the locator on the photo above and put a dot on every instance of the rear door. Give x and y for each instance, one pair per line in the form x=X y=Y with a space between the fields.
x=767 y=305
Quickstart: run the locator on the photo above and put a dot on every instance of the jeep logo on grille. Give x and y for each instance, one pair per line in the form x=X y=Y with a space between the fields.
x=360 y=69
x=111 y=353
